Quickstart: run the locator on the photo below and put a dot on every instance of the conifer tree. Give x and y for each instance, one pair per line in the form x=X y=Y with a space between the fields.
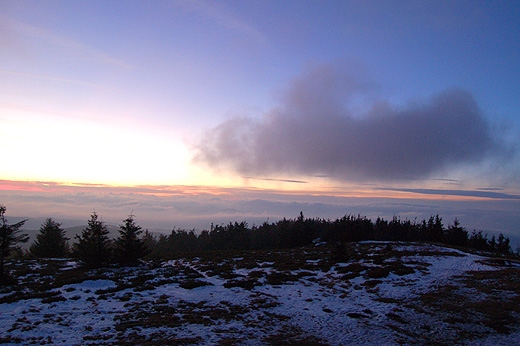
x=503 y=246
x=9 y=238
x=93 y=246
x=129 y=247
x=456 y=234
x=149 y=241
x=434 y=229
x=51 y=241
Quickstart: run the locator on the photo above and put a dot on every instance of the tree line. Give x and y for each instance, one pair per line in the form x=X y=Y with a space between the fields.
x=94 y=248
x=302 y=231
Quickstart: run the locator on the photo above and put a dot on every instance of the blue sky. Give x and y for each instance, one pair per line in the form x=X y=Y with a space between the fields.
x=365 y=99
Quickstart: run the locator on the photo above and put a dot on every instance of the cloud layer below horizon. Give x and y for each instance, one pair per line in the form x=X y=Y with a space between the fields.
x=166 y=207
x=330 y=123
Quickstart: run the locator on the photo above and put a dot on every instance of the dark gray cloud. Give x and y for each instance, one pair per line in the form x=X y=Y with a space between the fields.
x=329 y=122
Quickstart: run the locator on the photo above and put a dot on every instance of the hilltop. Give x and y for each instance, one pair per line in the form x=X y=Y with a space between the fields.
x=389 y=293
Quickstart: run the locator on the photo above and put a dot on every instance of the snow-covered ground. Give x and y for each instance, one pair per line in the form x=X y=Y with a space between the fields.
x=375 y=294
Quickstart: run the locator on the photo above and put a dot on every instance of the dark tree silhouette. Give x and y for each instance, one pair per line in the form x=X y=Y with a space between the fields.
x=93 y=246
x=503 y=246
x=9 y=238
x=456 y=234
x=478 y=241
x=264 y=236
x=50 y=242
x=129 y=247
x=433 y=230
x=149 y=240
x=234 y=236
x=492 y=243
x=285 y=233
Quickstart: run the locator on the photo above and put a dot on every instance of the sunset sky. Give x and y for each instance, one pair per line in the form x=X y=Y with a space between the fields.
x=191 y=112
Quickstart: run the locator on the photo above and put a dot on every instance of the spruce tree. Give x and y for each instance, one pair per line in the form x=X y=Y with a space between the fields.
x=149 y=241
x=129 y=247
x=9 y=238
x=93 y=246
x=50 y=242
x=456 y=234
x=503 y=246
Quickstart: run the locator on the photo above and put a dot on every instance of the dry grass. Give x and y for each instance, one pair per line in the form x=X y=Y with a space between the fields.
x=490 y=299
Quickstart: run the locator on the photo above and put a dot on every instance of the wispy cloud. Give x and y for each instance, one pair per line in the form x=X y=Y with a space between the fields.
x=318 y=129
x=85 y=51
x=296 y=181
x=479 y=193
x=217 y=13
x=48 y=78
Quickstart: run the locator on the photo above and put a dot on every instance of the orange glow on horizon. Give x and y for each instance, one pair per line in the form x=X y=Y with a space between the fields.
x=195 y=190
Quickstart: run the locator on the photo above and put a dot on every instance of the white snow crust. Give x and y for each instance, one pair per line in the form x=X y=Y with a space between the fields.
x=359 y=311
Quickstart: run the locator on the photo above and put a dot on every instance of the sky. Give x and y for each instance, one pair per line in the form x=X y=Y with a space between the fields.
x=191 y=112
